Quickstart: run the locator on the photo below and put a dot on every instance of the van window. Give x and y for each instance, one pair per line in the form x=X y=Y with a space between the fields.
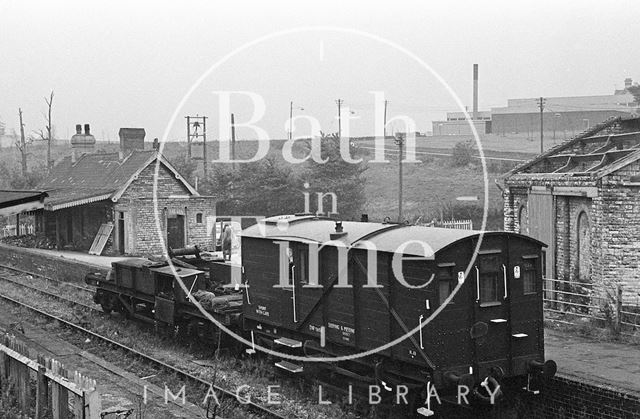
x=489 y=276
x=445 y=282
x=303 y=265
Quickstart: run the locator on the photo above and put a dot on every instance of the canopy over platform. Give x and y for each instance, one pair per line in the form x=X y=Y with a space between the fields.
x=14 y=202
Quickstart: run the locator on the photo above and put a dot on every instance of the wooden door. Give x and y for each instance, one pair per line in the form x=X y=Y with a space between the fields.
x=490 y=331
x=541 y=226
x=175 y=231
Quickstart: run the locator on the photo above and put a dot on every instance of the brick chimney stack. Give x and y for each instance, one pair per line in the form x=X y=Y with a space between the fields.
x=131 y=139
x=82 y=143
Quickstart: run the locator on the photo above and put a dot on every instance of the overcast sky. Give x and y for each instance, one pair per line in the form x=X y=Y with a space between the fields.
x=130 y=64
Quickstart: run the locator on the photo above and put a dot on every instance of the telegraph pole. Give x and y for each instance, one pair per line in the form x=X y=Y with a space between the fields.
x=400 y=143
x=197 y=128
x=541 y=102
x=204 y=146
x=384 y=127
x=233 y=140
x=339 y=102
x=290 y=119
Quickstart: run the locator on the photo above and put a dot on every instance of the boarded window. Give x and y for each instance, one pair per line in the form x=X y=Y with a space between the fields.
x=584 y=248
x=529 y=276
x=199 y=218
x=523 y=220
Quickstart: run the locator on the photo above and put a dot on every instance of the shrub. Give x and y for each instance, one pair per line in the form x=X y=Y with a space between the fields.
x=462 y=153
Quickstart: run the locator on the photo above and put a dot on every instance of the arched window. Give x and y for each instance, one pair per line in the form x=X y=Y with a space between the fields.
x=584 y=248
x=523 y=220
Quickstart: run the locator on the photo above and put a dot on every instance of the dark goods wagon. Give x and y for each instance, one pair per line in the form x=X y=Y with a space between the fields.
x=408 y=311
x=165 y=295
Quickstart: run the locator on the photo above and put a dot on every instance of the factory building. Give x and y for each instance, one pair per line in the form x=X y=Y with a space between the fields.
x=562 y=117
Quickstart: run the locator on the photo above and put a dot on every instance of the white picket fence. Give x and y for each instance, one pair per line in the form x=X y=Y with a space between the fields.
x=21 y=230
x=457 y=224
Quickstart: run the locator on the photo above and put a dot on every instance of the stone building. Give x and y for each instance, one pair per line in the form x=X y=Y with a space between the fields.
x=91 y=192
x=582 y=198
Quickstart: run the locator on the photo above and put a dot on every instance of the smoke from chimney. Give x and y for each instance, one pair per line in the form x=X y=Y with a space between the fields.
x=475 y=91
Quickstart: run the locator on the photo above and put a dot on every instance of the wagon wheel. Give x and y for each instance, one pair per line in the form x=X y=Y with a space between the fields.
x=180 y=330
x=162 y=329
x=106 y=308
x=206 y=332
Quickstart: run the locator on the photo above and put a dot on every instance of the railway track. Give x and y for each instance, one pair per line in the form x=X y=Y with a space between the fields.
x=223 y=393
x=46 y=278
x=11 y=278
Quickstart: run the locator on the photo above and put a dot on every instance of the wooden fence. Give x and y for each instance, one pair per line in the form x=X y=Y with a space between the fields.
x=59 y=394
x=576 y=299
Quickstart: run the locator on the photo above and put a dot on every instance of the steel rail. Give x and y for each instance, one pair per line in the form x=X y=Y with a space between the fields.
x=227 y=393
x=71 y=284
x=47 y=293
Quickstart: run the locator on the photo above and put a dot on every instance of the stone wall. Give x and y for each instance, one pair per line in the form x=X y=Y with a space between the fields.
x=149 y=240
x=613 y=236
x=618 y=229
x=55 y=267
x=147 y=235
x=567 y=212
x=514 y=200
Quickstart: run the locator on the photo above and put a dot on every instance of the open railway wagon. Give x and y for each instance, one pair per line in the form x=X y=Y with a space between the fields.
x=320 y=288
x=149 y=291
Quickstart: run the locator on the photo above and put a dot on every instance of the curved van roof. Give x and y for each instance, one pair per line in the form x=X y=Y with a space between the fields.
x=413 y=240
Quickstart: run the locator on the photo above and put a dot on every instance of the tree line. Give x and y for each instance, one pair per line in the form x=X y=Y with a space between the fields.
x=271 y=187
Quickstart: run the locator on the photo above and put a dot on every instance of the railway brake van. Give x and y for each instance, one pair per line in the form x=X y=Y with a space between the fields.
x=321 y=288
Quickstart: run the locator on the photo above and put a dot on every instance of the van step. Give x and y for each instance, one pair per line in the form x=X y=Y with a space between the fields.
x=291 y=343
x=289 y=366
x=519 y=335
x=424 y=411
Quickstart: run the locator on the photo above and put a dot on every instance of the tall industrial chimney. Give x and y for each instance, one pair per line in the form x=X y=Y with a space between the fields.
x=475 y=91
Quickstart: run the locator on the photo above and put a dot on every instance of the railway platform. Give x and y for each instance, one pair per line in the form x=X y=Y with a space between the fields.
x=609 y=364
x=102 y=261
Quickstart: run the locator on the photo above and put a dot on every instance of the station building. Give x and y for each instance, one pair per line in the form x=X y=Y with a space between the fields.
x=582 y=198
x=104 y=202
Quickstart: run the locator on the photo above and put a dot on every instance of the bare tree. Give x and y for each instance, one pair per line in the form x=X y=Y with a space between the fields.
x=22 y=145
x=49 y=102
x=47 y=134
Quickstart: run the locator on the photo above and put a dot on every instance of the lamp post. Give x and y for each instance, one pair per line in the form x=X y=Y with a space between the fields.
x=291 y=117
x=399 y=141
